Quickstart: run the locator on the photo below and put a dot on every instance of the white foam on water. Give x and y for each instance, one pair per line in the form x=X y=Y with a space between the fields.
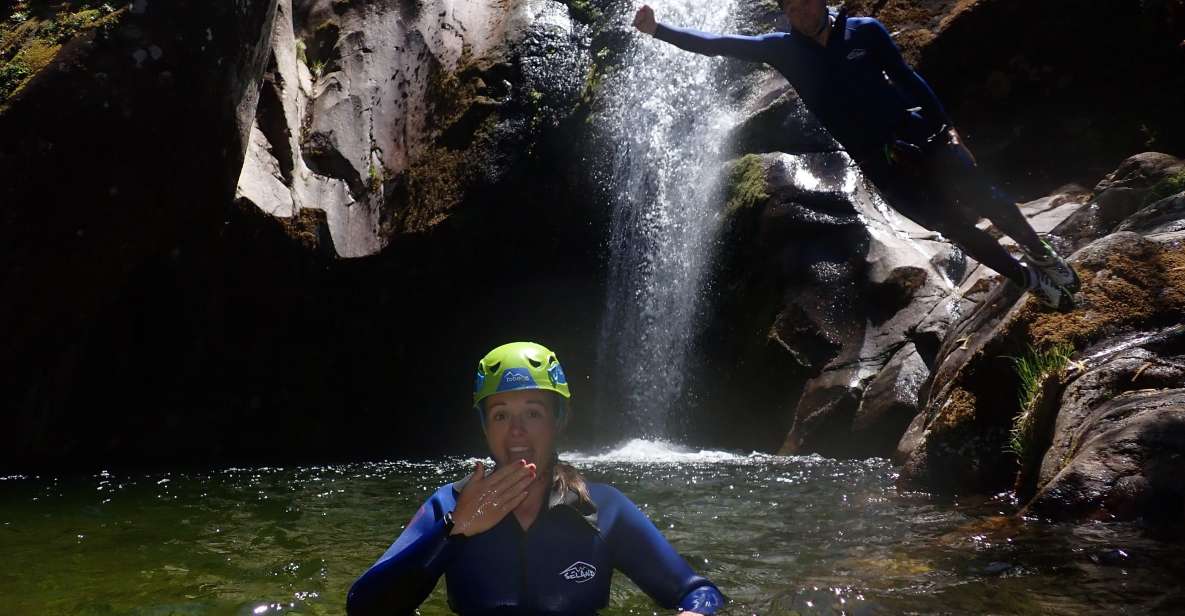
x=660 y=452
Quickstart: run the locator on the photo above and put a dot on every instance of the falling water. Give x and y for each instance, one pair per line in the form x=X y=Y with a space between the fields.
x=668 y=121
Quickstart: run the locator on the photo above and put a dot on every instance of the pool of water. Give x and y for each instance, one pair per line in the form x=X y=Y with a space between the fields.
x=779 y=535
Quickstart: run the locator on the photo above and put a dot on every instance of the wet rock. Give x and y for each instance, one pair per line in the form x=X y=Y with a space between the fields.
x=1164 y=216
x=1119 y=367
x=1130 y=284
x=778 y=121
x=852 y=285
x=890 y=402
x=1127 y=462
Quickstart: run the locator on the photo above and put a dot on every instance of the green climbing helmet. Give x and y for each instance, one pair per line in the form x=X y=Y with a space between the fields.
x=519 y=365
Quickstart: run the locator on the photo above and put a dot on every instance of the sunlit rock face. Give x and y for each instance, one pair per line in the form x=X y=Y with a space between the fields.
x=836 y=283
x=244 y=221
x=383 y=115
x=1100 y=436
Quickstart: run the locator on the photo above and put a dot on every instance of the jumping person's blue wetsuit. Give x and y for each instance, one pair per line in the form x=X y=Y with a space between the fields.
x=562 y=564
x=844 y=85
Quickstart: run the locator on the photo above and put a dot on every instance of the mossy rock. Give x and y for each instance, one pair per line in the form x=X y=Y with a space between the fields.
x=746 y=185
x=1166 y=188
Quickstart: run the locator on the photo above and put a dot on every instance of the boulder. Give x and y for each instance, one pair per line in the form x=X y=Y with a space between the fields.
x=852 y=285
x=1130 y=285
x=1164 y=216
x=1126 y=463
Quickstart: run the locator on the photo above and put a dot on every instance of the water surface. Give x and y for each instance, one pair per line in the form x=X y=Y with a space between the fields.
x=779 y=535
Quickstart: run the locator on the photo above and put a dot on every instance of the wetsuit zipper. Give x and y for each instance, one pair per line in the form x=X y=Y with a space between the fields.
x=522 y=552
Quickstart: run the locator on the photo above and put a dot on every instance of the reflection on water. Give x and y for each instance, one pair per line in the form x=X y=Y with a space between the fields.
x=779 y=535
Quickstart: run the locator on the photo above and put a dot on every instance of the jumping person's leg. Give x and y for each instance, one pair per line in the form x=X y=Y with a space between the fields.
x=965 y=185
x=917 y=198
x=922 y=200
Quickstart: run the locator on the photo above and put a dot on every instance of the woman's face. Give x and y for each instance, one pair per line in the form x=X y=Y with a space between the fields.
x=522 y=425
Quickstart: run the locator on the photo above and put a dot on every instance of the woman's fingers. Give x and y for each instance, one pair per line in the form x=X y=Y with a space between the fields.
x=516 y=500
x=505 y=477
x=520 y=485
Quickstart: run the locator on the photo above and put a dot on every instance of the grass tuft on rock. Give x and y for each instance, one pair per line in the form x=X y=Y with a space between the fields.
x=746 y=184
x=1034 y=368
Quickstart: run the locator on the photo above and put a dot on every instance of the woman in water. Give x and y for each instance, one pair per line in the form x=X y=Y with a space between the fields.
x=531 y=537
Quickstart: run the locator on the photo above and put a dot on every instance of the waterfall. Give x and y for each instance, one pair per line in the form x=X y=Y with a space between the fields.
x=668 y=118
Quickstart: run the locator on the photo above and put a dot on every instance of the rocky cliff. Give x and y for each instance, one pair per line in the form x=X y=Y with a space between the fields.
x=279 y=229
x=282 y=229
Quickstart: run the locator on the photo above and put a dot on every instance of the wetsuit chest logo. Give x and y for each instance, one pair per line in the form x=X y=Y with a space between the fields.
x=856 y=54
x=579 y=572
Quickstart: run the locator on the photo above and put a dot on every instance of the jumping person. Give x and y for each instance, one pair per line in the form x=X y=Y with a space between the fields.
x=851 y=76
x=532 y=537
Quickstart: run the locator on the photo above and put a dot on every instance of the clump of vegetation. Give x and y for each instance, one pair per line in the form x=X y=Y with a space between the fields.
x=1166 y=188
x=301 y=52
x=375 y=178
x=746 y=184
x=583 y=11
x=1035 y=368
x=33 y=33
x=318 y=68
x=11 y=75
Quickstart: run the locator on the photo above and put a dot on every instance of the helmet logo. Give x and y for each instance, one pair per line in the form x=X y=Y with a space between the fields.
x=516 y=378
x=557 y=375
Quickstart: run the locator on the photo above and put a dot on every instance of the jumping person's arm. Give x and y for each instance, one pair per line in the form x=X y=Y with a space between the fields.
x=644 y=555
x=752 y=48
x=906 y=78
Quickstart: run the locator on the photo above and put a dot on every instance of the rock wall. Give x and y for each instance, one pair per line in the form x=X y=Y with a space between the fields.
x=354 y=207
x=385 y=115
x=1051 y=92
x=1100 y=436
x=132 y=135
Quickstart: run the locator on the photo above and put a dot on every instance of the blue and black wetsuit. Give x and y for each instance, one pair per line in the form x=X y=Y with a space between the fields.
x=868 y=98
x=562 y=564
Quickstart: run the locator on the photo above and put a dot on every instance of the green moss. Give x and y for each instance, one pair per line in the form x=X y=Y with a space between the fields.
x=746 y=184
x=1166 y=188
x=583 y=11
x=375 y=178
x=11 y=75
x=301 y=52
x=1035 y=368
x=33 y=34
